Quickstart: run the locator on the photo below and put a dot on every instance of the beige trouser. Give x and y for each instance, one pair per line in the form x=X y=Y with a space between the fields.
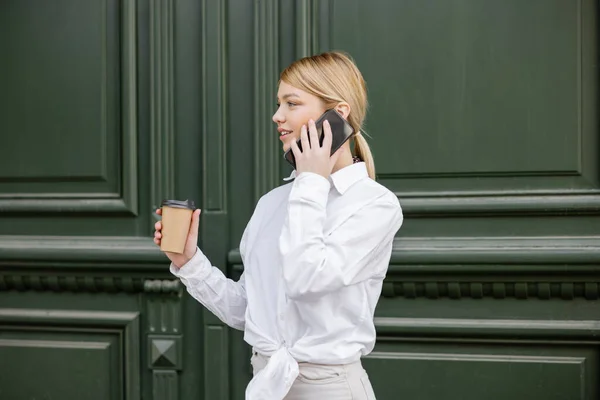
x=320 y=381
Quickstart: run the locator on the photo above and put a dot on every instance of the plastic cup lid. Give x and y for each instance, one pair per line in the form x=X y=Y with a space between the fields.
x=179 y=204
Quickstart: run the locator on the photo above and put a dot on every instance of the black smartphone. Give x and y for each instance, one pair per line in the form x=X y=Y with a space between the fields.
x=341 y=131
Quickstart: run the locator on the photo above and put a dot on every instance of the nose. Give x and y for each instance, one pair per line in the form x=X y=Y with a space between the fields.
x=278 y=116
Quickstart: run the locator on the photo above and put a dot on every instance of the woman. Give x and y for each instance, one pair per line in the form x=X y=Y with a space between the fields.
x=315 y=251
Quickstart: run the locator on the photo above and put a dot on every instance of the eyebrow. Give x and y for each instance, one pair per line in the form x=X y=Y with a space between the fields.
x=288 y=95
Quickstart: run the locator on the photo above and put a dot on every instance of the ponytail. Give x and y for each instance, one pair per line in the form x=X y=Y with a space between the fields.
x=362 y=150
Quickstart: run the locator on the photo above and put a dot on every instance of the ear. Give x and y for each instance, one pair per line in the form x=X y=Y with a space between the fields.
x=343 y=109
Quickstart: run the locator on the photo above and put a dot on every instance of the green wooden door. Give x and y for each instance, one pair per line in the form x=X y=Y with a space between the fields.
x=483 y=121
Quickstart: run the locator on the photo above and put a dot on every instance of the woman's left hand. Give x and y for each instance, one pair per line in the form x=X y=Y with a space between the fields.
x=312 y=157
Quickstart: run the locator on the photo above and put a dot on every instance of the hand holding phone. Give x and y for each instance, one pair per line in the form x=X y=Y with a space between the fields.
x=341 y=131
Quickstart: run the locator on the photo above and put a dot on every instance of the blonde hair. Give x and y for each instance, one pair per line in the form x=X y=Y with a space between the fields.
x=334 y=78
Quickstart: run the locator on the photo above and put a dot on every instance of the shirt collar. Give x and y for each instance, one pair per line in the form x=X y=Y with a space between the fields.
x=344 y=178
x=292 y=176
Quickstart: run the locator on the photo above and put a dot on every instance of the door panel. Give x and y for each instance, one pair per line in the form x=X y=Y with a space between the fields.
x=483 y=117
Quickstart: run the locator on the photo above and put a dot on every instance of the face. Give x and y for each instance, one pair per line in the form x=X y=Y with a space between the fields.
x=295 y=108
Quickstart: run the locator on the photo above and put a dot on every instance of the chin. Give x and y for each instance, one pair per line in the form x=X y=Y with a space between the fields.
x=287 y=145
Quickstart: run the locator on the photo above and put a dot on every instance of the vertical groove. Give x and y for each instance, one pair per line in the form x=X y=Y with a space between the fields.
x=214 y=162
x=303 y=28
x=214 y=127
x=162 y=129
x=132 y=359
x=580 y=100
x=216 y=339
x=129 y=106
x=308 y=28
x=103 y=94
x=266 y=72
x=165 y=385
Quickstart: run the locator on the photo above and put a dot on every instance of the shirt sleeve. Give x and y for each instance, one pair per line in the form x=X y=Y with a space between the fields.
x=357 y=250
x=222 y=296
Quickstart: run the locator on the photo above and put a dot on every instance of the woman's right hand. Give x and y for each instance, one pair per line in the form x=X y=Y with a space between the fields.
x=180 y=260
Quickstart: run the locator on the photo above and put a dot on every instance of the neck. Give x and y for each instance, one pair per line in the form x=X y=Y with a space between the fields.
x=345 y=158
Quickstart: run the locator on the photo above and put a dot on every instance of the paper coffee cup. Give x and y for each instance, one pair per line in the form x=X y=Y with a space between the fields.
x=176 y=220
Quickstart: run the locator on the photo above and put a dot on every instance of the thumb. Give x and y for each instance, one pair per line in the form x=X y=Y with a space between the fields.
x=195 y=225
x=192 y=238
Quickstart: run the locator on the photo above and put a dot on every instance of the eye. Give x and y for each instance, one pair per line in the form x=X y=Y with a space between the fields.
x=290 y=104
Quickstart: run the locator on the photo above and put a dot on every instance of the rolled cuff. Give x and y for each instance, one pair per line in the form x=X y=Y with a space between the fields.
x=197 y=267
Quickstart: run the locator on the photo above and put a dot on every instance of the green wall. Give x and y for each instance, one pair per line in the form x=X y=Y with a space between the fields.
x=483 y=120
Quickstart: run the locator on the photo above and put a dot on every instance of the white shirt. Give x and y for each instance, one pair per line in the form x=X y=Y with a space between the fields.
x=315 y=254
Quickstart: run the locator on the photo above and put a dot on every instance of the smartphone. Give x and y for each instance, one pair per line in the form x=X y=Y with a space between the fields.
x=341 y=131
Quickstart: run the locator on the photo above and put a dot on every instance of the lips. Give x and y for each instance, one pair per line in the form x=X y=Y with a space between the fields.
x=283 y=132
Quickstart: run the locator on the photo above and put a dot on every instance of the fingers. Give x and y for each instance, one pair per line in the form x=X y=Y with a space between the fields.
x=296 y=150
x=314 y=135
x=328 y=136
x=159 y=211
x=157 y=231
x=195 y=225
x=304 y=139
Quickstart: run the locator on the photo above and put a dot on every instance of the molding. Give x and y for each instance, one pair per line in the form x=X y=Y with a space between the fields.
x=125 y=202
x=69 y=283
x=216 y=362
x=162 y=110
x=487 y=328
x=129 y=183
x=530 y=205
x=550 y=250
x=458 y=357
x=95 y=252
x=307 y=32
x=76 y=203
x=214 y=105
x=494 y=268
x=267 y=155
x=494 y=290
x=54 y=344
x=124 y=324
x=165 y=385
x=83 y=282
x=163 y=313
x=165 y=286
x=434 y=255
x=164 y=327
x=68 y=317
x=314 y=27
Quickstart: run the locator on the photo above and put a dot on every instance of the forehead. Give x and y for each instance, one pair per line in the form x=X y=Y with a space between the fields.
x=287 y=89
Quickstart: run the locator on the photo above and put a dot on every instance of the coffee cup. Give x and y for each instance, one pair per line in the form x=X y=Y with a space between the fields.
x=176 y=221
